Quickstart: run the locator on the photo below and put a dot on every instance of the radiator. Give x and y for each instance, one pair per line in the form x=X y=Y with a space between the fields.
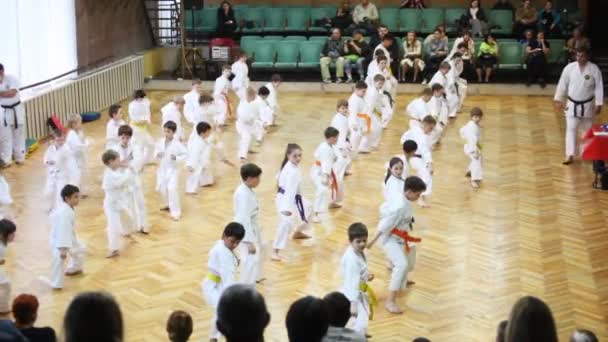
x=91 y=92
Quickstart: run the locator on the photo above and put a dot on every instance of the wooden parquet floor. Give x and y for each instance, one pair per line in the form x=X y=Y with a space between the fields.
x=535 y=227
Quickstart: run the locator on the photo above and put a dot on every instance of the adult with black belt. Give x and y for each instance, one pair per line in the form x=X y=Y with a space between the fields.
x=12 y=120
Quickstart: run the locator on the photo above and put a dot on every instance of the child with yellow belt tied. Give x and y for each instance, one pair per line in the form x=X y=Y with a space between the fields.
x=289 y=201
x=220 y=96
x=342 y=147
x=272 y=99
x=221 y=270
x=7 y=235
x=117 y=201
x=172 y=111
x=323 y=175
x=472 y=148
x=78 y=145
x=113 y=125
x=359 y=120
x=355 y=276
x=246 y=211
x=191 y=98
x=140 y=119
x=395 y=227
x=375 y=106
x=60 y=165
x=169 y=151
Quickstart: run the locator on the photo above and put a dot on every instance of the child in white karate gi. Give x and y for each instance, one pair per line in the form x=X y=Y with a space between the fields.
x=460 y=84
x=266 y=112
x=442 y=76
x=394 y=228
x=240 y=82
x=206 y=112
x=220 y=95
x=78 y=145
x=355 y=275
x=7 y=235
x=323 y=175
x=169 y=151
x=471 y=134
x=415 y=163
x=388 y=91
x=63 y=239
x=60 y=165
x=113 y=125
x=342 y=147
x=393 y=181
x=246 y=211
x=376 y=105
x=221 y=270
x=136 y=192
x=5 y=197
x=439 y=110
x=199 y=159
x=191 y=98
x=117 y=201
x=418 y=109
x=140 y=118
x=172 y=111
x=247 y=123
x=273 y=100
x=290 y=203
x=359 y=119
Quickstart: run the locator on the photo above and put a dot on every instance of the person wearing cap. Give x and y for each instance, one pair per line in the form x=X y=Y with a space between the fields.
x=12 y=120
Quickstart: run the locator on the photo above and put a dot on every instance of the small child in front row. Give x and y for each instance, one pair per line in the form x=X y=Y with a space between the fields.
x=356 y=275
x=221 y=270
x=117 y=201
x=323 y=175
x=169 y=151
x=472 y=148
x=113 y=125
x=199 y=159
x=7 y=235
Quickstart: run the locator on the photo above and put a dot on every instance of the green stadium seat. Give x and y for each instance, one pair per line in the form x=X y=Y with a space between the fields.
x=510 y=55
x=238 y=7
x=503 y=19
x=297 y=19
x=410 y=20
x=287 y=55
x=263 y=55
x=557 y=54
x=256 y=15
x=273 y=38
x=190 y=19
x=207 y=18
x=274 y=18
x=317 y=13
x=390 y=18
x=295 y=38
x=310 y=55
x=431 y=18
x=452 y=15
x=317 y=39
x=248 y=43
x=239 y=15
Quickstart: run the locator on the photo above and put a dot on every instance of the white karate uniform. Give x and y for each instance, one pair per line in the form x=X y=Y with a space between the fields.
x=13 y=125
x=323 y=176
x=60 y=166
x=222 y=264
x=386 y=54
x=112 y=137
x=376 y=107
x=584 y=90
x=206 y=113
x=393 y=187
x=357 y=122
x=5 y=193
x=459 y=83
x=117 y=201
x=246 y=210
x=138 y=203
x=199 y=159
x=423 y=141
x=171 y=113
x=192 y=106
x=246 y=125
x=342 y=152
x=397 y=212
x=390 y=82
x=240 y=82
x=472 y=148
x=143 y=144
x=273 y=100
x=289 y=180
x=220 y=95
x=353 y=267
x=63 y=235
x=372 y=68
x=5 y=283
x=78 y=146
x=450 y=91
x=167 y=175
x=266 y=117
x=417 y=110
x=439 y=111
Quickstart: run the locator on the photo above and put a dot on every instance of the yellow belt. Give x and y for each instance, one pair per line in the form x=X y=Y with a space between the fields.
x=363 y=287
x=140 y=124
x=214 y=278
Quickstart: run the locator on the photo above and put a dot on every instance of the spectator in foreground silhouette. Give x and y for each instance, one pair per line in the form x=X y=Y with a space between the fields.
x=307 y=320
x=25 y=311
x=531 y=320
x=501 y=331
x=338 y=310
x=179 y=326
x=93 y=317
x=241 y=314
x=582 y=335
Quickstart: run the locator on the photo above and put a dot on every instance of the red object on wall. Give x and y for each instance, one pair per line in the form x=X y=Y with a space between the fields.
x=222 y=42
x=597 y=145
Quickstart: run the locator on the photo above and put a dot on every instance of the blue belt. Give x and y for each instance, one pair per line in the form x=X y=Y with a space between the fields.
x=299 y=203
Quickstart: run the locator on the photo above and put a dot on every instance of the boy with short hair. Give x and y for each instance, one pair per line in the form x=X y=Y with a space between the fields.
x=191 y=106
x=248 y=117
x=207 y=111
x=246 y=210
x=376 y=107
x=359 y=120
x=443 y=76
x=272 y=100
x=414 y=162
x=172 y=111
x=221 y=269
x=439 y=110
x=140 y=119
x=421 y=134
x=323 y=175
x=342 y=147
x=472 y=148
x=395 y=226
x=60 y=165
x=220 y=95
x=199 y=159
x=418 y=109
x=266 y=113
x=169 y=151
x=240 y=82
x=339 y=312
x=113 y=125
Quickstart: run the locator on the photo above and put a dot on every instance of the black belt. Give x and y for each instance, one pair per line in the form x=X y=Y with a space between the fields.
x=281 y=190
x=12 y=107
x=299 y=203
x=580 y=104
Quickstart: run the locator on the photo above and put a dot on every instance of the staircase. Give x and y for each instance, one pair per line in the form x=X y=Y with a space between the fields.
x=164 y=19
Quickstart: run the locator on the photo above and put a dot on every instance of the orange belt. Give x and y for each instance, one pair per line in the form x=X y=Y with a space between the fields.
x=406 y=238
x=368 y=120
x=334 y=181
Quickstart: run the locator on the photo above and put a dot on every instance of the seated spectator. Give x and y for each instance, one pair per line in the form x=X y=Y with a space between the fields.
x=226 y=22
x=442 y=32
x=412 y=58
x=355 y=51
x=501 y=331
x=582 y=335
x=307 y=320
x=25 y=311
x=549 y=20
x=487 y=58
x=413 y=4
x=242 y=314
x=421 y=339
x=528 y=37
x=333 y=51
x=376 y=40
x=93 y=317
x=476 y=19
x=468 y=54
x=365 y=16
x=531 y=321
x=343 y=18
x=503 y=5
x=525 y=18
x=436 y=52
x=9 y=332
x=179 y=326
x=536 y=59
x=338 y=311
x=578 y=40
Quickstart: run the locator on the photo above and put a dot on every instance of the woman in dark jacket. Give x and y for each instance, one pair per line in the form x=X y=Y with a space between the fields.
x=476 y=18
x=226 y=22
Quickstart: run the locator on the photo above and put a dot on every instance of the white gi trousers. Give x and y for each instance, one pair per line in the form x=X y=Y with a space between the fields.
x=76 y=255
x=402 y=262
x=574 y=125
x=12 y=139
x=251 y=264
x=286 y=223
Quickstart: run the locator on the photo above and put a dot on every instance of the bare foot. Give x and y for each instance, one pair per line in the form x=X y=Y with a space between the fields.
x=422 y=203
x=568 y=160
x=144 y=231
x=164 y=209
x=335 y=206
x=410 y=283
x=259 y=281
x=468 y=174
x=474 y=184
x=73 y=273
x=112 y=254
x=297 y=235
x=316 y=219
x=275 y=257
x=393 y=308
